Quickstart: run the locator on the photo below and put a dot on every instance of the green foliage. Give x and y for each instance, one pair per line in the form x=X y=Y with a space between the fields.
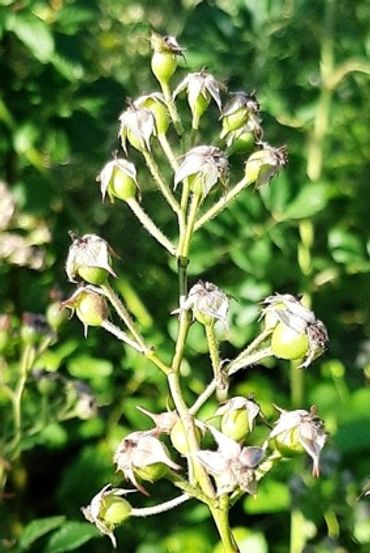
x=68 y=67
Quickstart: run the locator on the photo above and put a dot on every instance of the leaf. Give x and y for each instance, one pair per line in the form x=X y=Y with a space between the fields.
x=34 y=34
x=85 y=366
x=70 y=536
x=272 y=497
x=310 y=200
x=38 y=528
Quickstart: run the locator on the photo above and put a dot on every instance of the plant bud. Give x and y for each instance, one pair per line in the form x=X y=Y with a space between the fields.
x=90 y=307
x=164 y=59
x=178 y=437
x=287 y=343
x=207 y=302
x=141 y=450
x=118 y=179
x=237 y=112
x=138 y=127
x=107 y=510
x=156 y=104
x=297 y=333
x=46 y=382
x=115 y=510
x=34 y=326
x=89 y=258
x=204 y=166
x=238 y=417
x=298 y=431
x=201 y=88
x=264 y=164
x=55 y=315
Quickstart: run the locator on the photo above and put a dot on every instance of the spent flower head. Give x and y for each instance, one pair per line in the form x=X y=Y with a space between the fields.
x=164 y=422
x=139 y=450
x=118 y=178
x=293 y=324
x=238 y=111
x=265 y=163
x=137 y=127
x=207 y=302
x=298 y=431
x=107 y=510
x=201 y=88
x=166 y=50
x=90 y=307
x=232 y=465
x=156 y=104
x=89 y=258
x=204 y=166
x=238 y=417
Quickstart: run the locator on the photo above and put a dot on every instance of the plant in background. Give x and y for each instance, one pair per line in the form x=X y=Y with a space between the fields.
x=220 y=458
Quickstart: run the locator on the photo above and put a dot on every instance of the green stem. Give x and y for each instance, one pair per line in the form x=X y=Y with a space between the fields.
x=161 y=183
x=160 y=508
x=166 y=147
x=123 y=314
x=122 y=336
x=27 y=360
x=184 y=243
x=246 y=361
x=150 y=226
x=254 y=344
x=222 y=203
x=219 y=376
x=221 y=518
x=172 y=108
x=185 y=194
x=297 y=536
x=230 y=369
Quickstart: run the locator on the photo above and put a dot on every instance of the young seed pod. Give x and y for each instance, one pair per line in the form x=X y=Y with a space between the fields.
x=178 y=437
x=115 y=510
x=89 y=258
x=155 y=103
x=164 y=59
x=90 y=307
x=264 y=164
x=287 y=343
x=238 y=417
x=118 y=180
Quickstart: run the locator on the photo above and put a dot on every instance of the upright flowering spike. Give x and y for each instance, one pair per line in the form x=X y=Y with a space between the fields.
x=90 y=307
x=232 y=466
x=297 y=333
x=89 y=258
x=156 y=104
x=118 y=179
x=138 y=451
x=264 y=164
x=207 y=302
x=298 y=431
x=238 y=111
x=138 y=127
x=204 y=166
x=201 y=88
x=107 y=510
x=166 y=50
x=238 y=417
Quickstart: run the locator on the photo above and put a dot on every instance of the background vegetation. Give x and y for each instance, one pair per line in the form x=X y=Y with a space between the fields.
x=67 y=67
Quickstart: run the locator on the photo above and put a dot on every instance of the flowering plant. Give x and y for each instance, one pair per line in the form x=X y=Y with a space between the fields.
x=179 y=446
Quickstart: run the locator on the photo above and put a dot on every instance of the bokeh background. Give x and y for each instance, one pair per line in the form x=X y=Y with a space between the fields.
x=67 y=67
